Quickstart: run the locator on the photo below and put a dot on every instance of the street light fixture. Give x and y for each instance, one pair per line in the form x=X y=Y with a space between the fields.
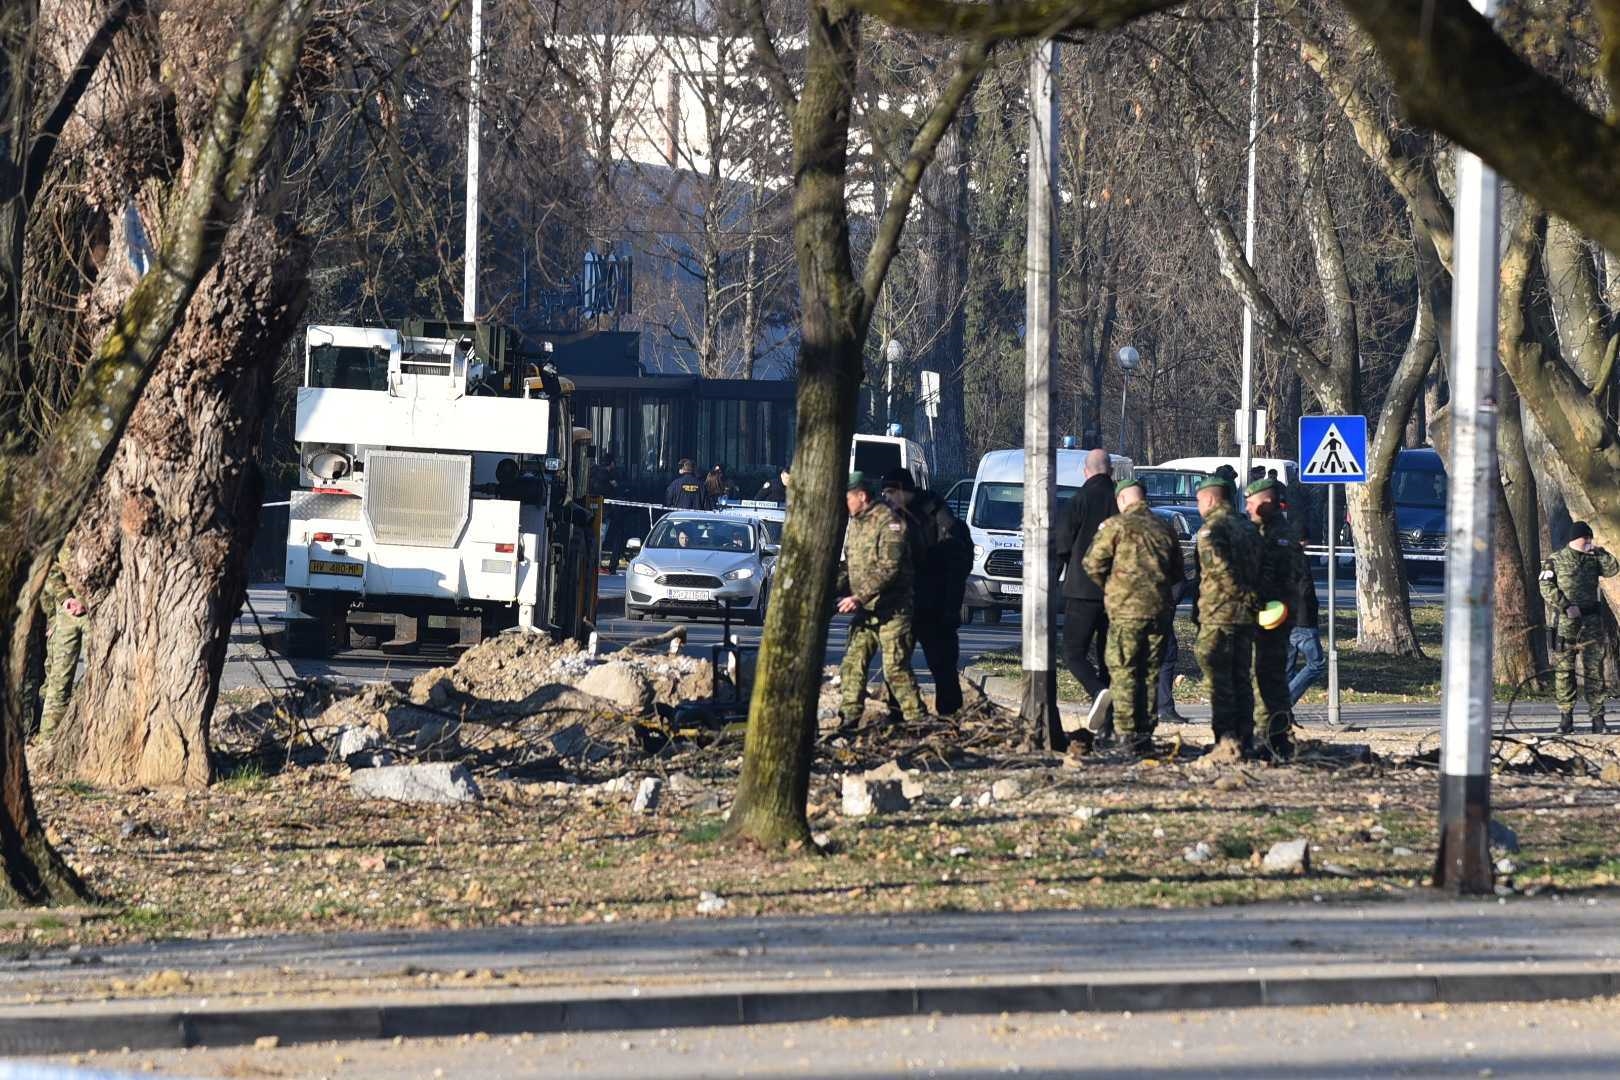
x=1129 y=358
x=893 y=352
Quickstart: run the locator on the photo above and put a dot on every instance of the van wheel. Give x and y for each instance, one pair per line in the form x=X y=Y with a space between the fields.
x=992 y=616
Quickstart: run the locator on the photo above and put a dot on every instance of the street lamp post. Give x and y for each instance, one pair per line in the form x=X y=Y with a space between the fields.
x=1128 y=359
x=893 y=352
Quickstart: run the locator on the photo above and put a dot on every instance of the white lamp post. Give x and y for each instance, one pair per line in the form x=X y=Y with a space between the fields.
x=893 y=352
x=1129 y=358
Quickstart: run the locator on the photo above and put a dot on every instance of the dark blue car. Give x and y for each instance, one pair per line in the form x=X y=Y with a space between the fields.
x=1418 y=490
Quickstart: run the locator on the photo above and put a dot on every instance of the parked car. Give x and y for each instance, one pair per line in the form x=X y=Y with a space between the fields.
x=1417 y=488
x=698 y=564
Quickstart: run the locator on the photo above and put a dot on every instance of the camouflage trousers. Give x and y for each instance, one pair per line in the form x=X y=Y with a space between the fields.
x=66 y=635
x=1134 y=653
x=1273 y=704
x=1582 y=638
x=1224 y=654
x=892 y=635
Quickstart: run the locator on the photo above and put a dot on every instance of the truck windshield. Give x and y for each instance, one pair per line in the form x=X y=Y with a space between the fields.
x=1000 y=507
x=1413 y=488
x=348 y=367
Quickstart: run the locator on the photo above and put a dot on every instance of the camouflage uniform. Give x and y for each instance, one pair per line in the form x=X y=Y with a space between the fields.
x=1569 y=578
x=63 y=641
x=1136 y=560
x=879 y=574
x=1282 y=570
x=1228 y=562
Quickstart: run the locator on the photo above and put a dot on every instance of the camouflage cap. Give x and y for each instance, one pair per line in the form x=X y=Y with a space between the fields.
x=1263 y=485
x=1216 y=480
x=857 y=482
x=1120 y=487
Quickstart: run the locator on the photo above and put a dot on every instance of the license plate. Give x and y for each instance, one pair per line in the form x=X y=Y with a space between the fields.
x=1013 y=590
x=690 y=594
x=341 y=569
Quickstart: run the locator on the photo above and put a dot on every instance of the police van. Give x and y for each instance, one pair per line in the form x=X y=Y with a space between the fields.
x=992 y=505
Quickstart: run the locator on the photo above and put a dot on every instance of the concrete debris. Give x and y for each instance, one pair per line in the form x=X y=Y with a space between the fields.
x=1006 y=790
x=958 y=802
x=1087 y=813
x=1288 y=856
x=1200 y=852
x=352 y=742
x=960 y=852
x=910 y=786
x=821 y=839
x=1505 y=866
x=440 y=782
x=647 y=795
x=622 y=684
x=864 y=797
x=711 y=904
x=1401 y=852
x=1503 y=838
x=986 y=798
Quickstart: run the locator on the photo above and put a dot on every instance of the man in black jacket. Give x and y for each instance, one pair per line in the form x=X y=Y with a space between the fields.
x=686 y=491
x=1085 y=627
x=942 y=553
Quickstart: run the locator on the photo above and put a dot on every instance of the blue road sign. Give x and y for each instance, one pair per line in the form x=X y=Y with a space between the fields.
x=1333 y=449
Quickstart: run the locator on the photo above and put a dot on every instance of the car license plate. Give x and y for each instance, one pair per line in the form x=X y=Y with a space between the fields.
x=690 y=594
x=342 y=569
x=1013 y=590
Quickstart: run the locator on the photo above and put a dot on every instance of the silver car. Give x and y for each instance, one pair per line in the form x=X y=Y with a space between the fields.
x=696 y=564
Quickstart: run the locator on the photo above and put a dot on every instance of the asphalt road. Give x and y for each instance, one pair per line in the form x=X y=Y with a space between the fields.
x=1579 y=1040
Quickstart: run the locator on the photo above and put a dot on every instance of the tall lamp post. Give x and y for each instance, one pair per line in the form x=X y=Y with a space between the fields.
x=893 y=352
x=1129 y=358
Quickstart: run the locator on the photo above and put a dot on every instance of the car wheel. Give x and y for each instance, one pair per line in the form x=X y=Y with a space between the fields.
x=992 y=616
x=966 y=617
x=757 y=616
x=634 y=614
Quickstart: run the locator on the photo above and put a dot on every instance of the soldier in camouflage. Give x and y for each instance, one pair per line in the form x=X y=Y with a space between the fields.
x=1136 y=560
x=875 y=590
x=1283 y=571
x=1226 y=566
x=1569 y=585
x=64 y=637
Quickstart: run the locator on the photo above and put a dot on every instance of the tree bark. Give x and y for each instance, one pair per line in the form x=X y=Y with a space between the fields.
x=1520 y=495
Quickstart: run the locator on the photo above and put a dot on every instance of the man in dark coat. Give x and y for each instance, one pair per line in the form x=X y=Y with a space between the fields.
x=686 y=491
x=943 y=557
x=1085 y=627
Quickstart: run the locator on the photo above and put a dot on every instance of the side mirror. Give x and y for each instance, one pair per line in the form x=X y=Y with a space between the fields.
x=633 y=544
x=771 y=551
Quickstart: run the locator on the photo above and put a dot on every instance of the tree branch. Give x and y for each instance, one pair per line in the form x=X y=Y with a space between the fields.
x=770 y=61
x=1608 y=14
x=971 y=61
x=1413 y=369
x=1338 y=303
x=1004 y=21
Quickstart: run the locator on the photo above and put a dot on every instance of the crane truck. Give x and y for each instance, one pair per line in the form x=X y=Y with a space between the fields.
x=440 y=474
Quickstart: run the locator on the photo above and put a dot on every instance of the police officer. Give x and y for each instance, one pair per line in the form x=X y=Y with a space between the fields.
x=875 y=590
x=686 y=491
x=1227 y=562
x=942 y=555
x=68 y=619
x=1282 y=565
x=1136 y=561
x=1569 y=585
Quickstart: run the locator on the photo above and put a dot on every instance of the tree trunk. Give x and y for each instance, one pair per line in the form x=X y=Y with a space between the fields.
x=1384 y=621
x=163 y=549
x=1520 y=494
x=1515 y=662
x=942 y=270
x=771 y=793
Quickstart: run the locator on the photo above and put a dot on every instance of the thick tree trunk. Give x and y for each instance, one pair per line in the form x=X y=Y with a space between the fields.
x=163 y=549
x=1515 y=662
x=1519 y=491
x=771 y=793
x=1384 y=620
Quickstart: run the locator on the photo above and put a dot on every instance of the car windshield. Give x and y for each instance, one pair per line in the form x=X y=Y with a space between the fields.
x=702 y=535
x=1412 y=488
x=1167 y=487
x=1000 y=507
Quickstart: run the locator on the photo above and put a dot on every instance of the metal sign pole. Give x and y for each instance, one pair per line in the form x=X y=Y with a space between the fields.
x=1333 y=605
x=1464 y=863
x=475 y=87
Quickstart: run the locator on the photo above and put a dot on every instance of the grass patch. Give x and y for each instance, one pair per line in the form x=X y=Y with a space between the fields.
x=703 y=832
x=243 y=776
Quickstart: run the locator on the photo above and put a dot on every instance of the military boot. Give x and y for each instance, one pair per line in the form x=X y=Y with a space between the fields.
x=1599 y=725
x=1566 y=723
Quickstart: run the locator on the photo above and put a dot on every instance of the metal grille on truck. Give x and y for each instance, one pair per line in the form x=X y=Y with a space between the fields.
x=313 y=505
x=1005 y=563
x=690 y=581
x=416 y=498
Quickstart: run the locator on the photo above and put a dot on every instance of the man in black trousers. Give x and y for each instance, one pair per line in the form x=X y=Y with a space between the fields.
x=1085 y=626
x=942 y=555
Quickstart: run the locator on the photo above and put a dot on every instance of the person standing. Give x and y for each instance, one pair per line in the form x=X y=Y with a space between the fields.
x=1569 y=586
x=1305 y=642
x=1136 y=561
x=875 y=590
x=606 y=484
x=1282 y=566
x=717 y=486
x=686 y=491
x=69 y=617
x=1227 y=562
x=1085 y=625
x=1165 y=697
x=942 y=553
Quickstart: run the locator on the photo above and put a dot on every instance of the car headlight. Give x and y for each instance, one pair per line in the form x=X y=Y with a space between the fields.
x=742 y=573
x=643 y=569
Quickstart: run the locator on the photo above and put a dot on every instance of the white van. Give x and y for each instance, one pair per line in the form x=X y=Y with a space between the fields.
x=874 y=455
x=992 y=504
x=1287 y=469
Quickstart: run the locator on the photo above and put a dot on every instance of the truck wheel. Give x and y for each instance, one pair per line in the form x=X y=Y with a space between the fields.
x=992 y=616
x=316 y=638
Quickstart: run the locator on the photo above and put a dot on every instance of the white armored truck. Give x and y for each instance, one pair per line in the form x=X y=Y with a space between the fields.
x=440 y=474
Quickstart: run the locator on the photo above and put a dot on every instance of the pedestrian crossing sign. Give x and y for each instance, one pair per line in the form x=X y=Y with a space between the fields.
x=1333 y=449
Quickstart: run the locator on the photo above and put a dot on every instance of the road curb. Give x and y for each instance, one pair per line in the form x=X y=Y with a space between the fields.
x=149 y=1028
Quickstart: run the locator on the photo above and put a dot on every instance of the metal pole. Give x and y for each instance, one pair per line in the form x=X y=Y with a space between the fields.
x=1039 y=623
x=1246 y=423
x=1464 y=861
x=1124 y=387
x=888 y=391
x=1333 y=605
x=469 y=285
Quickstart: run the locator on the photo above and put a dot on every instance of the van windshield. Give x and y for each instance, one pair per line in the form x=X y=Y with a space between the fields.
x=873 y=459
x=1171 y=487
x=1000 y=507
x=1413 y=488
x=348 y=367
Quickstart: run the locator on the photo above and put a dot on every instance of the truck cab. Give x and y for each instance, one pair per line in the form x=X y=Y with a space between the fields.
x=439 y=475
